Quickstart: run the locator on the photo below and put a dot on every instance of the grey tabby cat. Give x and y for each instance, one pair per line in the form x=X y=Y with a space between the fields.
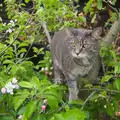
x=76 y=59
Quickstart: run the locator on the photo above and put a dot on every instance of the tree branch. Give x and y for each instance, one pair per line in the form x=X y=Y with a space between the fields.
x=46 y=32
x=112 y=34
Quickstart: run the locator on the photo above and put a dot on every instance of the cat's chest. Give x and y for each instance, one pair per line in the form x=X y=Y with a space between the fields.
x=78 y=72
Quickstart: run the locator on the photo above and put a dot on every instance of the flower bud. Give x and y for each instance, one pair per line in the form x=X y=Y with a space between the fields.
x=46 y=73
x=43 y=107
x=3 y=90
x=20 y=117
x=46 y=69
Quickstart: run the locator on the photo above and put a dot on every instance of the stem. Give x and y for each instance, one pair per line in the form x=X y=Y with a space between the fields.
x=89 y=97
x=100 y=89
x=114 y=9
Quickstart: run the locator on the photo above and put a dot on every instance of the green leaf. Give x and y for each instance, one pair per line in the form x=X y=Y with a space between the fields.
x=113 y=2
x=6 y=117
x=18 y=100
x=106 y=78
x=22 y=50
x=110 y=109
x=58 y=117
x=31 y=107
x=26 y=1
x=35 y=82
x=113 y=53
x=77 y=102
x=53 y=105
x=23 y=44
x=88 y=8
x=82 y=19
x=40 y=117
x=71 y=114
x=22 y=110
x=35 y=49
x=117 y=83
x=8 y=62
x=26 y=84
x=117 y=68
x=99 y=4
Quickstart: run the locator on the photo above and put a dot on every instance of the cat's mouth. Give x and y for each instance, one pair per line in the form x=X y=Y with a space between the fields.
x=81 y=59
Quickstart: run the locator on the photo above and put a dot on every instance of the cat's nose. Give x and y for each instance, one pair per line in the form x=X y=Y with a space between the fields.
x=77 y=52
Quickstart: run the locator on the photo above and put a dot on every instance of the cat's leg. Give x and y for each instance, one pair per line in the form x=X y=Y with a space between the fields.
x=73 y=90
x=58 y=75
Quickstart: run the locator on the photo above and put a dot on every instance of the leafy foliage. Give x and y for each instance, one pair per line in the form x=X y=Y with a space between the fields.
x=37 y=97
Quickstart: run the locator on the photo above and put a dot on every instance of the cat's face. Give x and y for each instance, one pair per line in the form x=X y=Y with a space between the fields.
x=84 y=48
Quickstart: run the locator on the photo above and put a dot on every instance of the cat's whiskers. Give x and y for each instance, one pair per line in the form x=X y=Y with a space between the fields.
x=91 y=59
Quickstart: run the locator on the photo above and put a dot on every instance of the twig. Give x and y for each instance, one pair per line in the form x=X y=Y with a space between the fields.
x=18 y=32
x=3 y=114
x=114 y=9
x=100 y=89
x=3 y=36
x=89 y=97
x=103 y=66
x=95 y=90
x=1 y=53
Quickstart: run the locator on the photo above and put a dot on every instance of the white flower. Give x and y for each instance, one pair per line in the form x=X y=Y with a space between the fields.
x=46 y=69
x=9 y=30
x=11 y=21
x=4 y=24
x=8 y=73
x=13 y=24
x=0 y=19
x=11 y=92
x=15 y=20
x=105 y=106
x=16 y=86
x=3 y=90
x=51 y=68
x=14 y=80
x=9 y=87
x=50 y=73
x=42 y=69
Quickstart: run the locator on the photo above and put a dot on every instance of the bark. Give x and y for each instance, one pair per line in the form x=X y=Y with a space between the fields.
x=112 y=34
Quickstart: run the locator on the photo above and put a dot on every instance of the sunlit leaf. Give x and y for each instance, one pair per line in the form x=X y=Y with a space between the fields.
x=31 y=107
x=26 y=84
x=18 y=100
x=99 y=4
x=106 y=78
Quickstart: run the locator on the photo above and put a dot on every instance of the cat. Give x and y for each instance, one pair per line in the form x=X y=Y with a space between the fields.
x=76 y=60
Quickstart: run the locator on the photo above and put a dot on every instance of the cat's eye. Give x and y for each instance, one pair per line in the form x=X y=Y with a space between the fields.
x=85 y=45
x=73 y=44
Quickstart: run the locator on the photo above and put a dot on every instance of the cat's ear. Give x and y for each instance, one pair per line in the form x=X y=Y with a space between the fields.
x=97 y=32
